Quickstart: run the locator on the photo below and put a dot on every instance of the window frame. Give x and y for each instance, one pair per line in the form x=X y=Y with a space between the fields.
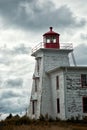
x=58 y=105
x=51 y=39
x=84 y=105
x=33 y=107
x=84 y=80
x=57 y=82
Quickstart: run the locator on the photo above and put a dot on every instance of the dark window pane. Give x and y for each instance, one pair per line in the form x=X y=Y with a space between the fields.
x=57 y=82
x=84 y=80
x=84 y=104
x=33 y=109
x=58 y=106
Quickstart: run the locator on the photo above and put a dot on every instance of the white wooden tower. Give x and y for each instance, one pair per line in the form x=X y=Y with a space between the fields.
x=49 y=55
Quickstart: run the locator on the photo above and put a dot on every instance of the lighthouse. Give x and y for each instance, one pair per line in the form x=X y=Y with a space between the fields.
x=56 y=87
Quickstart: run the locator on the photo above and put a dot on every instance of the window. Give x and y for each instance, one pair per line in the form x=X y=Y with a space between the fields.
x=48 y=40
x=53 y=39
x=57 y=82
x=58 y=106
x=33 y=108
x=85 y=104
x=84 y=80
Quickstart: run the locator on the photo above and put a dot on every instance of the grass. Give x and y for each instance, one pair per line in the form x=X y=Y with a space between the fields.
x=43 y=127
x=24 y=123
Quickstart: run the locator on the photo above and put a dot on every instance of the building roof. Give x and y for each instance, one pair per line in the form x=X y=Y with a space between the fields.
x=51 y=32
x=67 y=68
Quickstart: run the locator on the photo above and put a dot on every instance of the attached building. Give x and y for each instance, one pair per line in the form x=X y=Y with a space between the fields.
x=58 y=89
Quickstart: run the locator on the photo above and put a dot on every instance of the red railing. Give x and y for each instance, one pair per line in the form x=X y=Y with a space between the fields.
x=62 y=46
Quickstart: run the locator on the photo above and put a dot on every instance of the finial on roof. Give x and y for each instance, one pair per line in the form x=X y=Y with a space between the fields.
x=51 y=28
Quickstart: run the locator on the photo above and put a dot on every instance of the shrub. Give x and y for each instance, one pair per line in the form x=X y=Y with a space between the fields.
x=51 y=119
x=58 y=119
x=23 y=120
x=16 y=120
x=76 y=119
x=9 y=117
x=46 y=117
x=42 y=118
x=85 y=119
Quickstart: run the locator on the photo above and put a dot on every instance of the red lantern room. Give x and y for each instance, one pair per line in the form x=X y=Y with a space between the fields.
x=51 y=39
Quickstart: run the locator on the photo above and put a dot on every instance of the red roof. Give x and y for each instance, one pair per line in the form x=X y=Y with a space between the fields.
x=51 y=32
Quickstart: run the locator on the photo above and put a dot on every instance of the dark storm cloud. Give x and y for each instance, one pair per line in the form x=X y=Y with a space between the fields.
x=10 y=94
x=31 y=14
x=22 y=49
x=17 y=50
x=18 y=82
x=11 y=106
x=8 y=55
x=12 y=101
x=81 y=54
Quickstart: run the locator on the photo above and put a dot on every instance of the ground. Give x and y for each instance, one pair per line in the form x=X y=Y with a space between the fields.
x=49 y=126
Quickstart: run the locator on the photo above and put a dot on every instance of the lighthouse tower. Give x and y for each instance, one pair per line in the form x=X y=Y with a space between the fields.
x=49 y=55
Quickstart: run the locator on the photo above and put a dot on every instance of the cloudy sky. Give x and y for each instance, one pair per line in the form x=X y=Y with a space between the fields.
x=22 y=24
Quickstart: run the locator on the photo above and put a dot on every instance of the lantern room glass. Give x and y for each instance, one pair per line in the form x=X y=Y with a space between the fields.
x=51 y=39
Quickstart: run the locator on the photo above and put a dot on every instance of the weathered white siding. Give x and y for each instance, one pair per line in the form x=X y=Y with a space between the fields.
x=74 y=93
x=51 y=59
x=55 y=58
x=70 y=92
x=45 y=95
x=58 y=93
